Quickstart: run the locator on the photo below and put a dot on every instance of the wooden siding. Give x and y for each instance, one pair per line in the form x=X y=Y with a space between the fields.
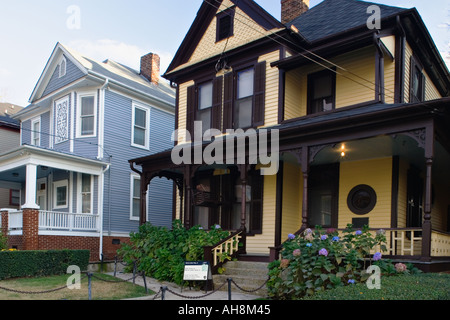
x=259 y=244
x=291 y=220
x=272 y=88
x=389 y=70
x=350 y=87
x=376 y=173
x=402 y=193
x=73 y=73
x=182 y=110
x=245 y=31
x=117 y=144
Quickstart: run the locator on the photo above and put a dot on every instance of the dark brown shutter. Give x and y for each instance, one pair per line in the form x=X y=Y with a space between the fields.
x=228 y=102
x=260 y=93
x=256 y=208
x=191 y=108
x=216 y=121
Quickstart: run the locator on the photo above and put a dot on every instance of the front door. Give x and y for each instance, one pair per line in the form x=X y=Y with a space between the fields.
x=415 y=199
x=41 y=193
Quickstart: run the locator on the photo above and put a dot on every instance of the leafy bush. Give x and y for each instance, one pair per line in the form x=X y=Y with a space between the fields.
x=319 y=260
x=425 y=286
x=17 y=264
x=3 y=242
x=161 y=252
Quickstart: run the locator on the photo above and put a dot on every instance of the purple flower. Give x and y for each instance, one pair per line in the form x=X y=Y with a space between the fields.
x=323 y=252
x=336 y=239
x=351 y=281
x=377 y=256
x=309 y=244
x=291 y=236
x=359 y=232
x=217 y=226
x=297 y=252
x=324 y=237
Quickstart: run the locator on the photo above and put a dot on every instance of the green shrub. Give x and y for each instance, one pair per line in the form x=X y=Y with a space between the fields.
x=161 y=252
x=425 y=286
x=17 y=264
x=319 y=260
x=3 y=241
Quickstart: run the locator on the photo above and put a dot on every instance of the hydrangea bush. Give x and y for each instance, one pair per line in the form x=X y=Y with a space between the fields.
x=322 y=259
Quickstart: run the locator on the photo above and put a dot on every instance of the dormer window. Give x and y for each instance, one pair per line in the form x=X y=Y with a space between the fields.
x=225 y=24
x=62 y=67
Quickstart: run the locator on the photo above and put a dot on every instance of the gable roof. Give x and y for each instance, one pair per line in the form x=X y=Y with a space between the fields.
x=204 y=18
x=108 y=70
x=335 y=16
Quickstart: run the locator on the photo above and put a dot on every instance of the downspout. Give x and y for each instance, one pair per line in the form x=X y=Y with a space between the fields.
x=379 y=72
x=108 y=166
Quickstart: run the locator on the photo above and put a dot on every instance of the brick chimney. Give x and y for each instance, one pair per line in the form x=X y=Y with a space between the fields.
x=291 y=9
x=150 y=67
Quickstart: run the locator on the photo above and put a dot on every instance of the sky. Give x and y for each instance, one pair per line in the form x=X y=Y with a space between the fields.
x=124 y=31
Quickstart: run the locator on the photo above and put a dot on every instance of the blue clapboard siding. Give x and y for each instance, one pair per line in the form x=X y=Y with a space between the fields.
x=73 y=73
x=45 y=130
x=117 y=145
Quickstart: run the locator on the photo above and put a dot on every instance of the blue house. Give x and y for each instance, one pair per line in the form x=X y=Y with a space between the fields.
x=71 y=171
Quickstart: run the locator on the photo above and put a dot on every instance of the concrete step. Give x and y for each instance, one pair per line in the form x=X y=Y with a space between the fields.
x=247 y=277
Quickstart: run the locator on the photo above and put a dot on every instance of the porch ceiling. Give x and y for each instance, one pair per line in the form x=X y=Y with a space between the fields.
x=376 y=147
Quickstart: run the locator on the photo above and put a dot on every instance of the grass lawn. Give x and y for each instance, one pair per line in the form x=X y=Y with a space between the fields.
x=101 y=290
x=426 y=286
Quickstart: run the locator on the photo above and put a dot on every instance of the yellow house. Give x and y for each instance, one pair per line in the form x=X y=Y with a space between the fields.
x=351 y=105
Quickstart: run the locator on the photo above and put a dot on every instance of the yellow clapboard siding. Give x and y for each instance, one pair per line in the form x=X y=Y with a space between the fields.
x=407 y=77
x=376 y=173
x=292 y=199
x=259 y=244
x=402 y=193
x=389 y=80
x=272 y=88
x=182 y=110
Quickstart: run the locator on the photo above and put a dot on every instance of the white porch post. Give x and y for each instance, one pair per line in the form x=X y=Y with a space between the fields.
x=30 y=187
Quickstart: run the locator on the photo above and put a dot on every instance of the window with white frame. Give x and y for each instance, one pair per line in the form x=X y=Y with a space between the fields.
x=85 y=193
x=141 y=125
x=36 y=132
x=62 y=67
x=135 y=201
x=61 y=194
x=87 y=115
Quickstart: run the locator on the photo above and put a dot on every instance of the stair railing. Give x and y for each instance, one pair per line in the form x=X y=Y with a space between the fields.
x=224 y=250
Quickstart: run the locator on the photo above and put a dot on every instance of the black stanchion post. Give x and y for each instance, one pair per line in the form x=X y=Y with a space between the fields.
x=163 y=293
x=145 y=281
x=229 y=288
x=90 y=285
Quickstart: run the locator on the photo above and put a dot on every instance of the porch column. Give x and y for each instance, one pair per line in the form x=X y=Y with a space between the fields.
x=426 y=226
x=4 y=220
x=243 y=172
x=30 y=191
x=305 y=172
x=187 y=196
x=143 y=201
x=30 y=231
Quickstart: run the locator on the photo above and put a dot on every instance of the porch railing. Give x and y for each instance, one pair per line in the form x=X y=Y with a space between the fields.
x=229 y=247
x=440 y=244
x=63 y=221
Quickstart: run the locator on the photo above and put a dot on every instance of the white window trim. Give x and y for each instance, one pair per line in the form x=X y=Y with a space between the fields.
x=34 y=133
x=80 y=95
x=56 y=185
x=62 y=72
x=80 y=193
x=133 y=177
x=147 y=129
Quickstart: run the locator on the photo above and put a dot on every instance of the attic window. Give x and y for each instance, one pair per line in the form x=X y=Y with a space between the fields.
x=225 y=28
x=62 y=67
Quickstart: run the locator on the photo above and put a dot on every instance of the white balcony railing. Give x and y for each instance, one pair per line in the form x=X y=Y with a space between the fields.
x=63 y=221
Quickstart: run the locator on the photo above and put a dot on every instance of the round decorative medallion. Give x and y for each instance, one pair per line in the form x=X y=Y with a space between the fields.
x=362 y=199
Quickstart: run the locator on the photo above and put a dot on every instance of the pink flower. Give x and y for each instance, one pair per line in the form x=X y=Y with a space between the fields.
x=284 y=263
x=309 y=237
x=400 y=267
x=296 y=253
